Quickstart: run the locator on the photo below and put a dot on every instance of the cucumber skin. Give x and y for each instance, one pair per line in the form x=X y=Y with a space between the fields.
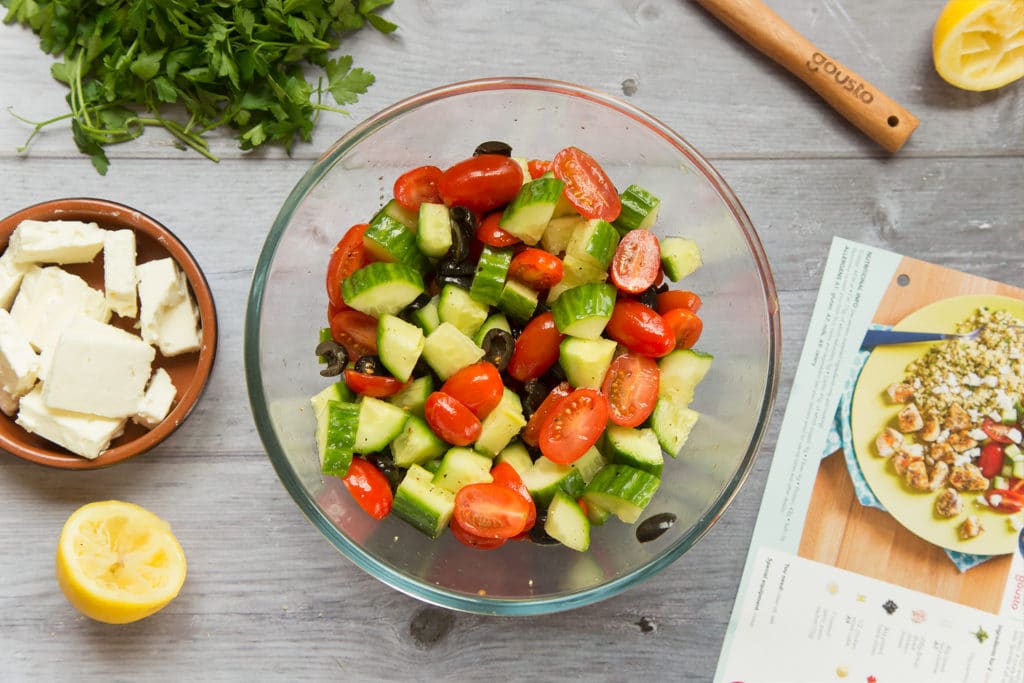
x=426 y=507
x=528 y=214
x=672 y=424
x=342 y=420
x=639 y=448
x=413 y=397
x=623 y=490
x=358 y=288
x=460 y=308
x=398 y=212
x=518 y=300
x=434 y=231
x=679 y=257
x=390 y=240
x=489 y=278
x=581 y=308
x=567 y=523
x=639 y=209
x=594 y=244
x=416 y=444
x=392 y=333
x=373 y=437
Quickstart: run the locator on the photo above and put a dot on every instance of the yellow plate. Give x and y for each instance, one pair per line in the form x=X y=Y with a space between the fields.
x=872 y=411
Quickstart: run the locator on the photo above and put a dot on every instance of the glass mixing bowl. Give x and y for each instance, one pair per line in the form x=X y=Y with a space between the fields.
x=287 y=305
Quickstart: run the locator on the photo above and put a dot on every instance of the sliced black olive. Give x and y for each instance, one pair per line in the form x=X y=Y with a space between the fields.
x=554 y=375
x=534 y=393
x=498 y=346
x=464 y=281
x=463 y=232
x=456 y=268
x=417 y=303
x=386 y=464
x=537 y=533
x=653 y=527
x=370 y=365
x=493 y=147
x=662 y=288
x=648 y=297
x=335 y=355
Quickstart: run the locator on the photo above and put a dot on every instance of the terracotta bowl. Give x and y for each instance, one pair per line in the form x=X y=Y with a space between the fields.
x=189 y=371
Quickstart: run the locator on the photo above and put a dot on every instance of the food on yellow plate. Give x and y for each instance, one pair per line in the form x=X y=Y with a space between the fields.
x=979 y=44
x=118 y=562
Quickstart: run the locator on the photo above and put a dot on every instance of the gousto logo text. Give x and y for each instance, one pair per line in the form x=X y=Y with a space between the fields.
x=819 y=61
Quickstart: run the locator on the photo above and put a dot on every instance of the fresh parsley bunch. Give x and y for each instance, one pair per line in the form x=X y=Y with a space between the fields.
x=130 y=64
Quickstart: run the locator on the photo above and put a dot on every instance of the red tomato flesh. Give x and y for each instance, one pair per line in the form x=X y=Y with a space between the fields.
x=481 y=183
x=356 y=331
x=477 y=386
x=637 y=261
x=536 y=349
x=491 y=510
x=685 y=326
x=347 y=257
x=377 y=386
x=538 y=167
x=536 y=268
x=639 y=328
x=990 y=462
x=1008 y=501
x=451 y=420
x=505 y=475
x=531 y=432
x=997 y=431
x=573 y=426
x=369 y=487
x=471 y=540
x=678 y=298
x=587 y=187
x=417 y=186
x=631 y=386
x=490 y=234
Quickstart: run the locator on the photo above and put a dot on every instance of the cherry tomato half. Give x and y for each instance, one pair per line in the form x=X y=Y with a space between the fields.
x=356 y=331
x=477 y=386
x=481 y=183
x=573 y=426
x=678 y=298
x=451 y=420
x=505 y=475
x=419 y=185
x=587 y=187
x=532 y=430
x=1008 y=501
x=631 y=386
x=369 y=487
x=684 y=325
x=639 y=328
x=538 y=167
x=348 y=256
x=990 y=462
x=536 y=349
x=471 y=540
x=536 y=268
x=997 y=431
x=491 y=510
x=637 y=261
x=490 y=234
x=377 y=386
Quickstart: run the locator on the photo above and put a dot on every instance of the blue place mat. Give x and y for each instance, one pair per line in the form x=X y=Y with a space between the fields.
x=840 y=437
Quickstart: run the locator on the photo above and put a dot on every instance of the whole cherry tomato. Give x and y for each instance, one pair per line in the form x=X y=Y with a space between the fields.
x=678 y=298
x=451 y=420
x=481 y=183
x=990 y=462
x=491 y=510
x=369 y=487
x=587 y=187
x=531 y=431
x=536 y=349
x=356 y=331
x=477 y=386
x=417 y=186
x=631 y=386
x=490 y=234
x=377 y=386
x=637 y=261
x=348 y=256
x=573 y=426
x=686 y=327
x=639 y=328
x=536 y=268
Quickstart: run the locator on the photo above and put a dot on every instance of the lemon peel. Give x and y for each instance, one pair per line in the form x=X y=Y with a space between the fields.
x=979 y=44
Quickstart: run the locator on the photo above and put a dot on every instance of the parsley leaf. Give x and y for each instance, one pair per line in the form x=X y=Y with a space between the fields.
x=131 y=64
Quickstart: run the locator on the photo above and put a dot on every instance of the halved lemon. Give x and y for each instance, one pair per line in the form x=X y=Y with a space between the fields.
x=118 y=562
x=979 y=44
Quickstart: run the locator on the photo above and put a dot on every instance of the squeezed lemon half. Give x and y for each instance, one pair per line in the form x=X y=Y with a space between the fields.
x=979 y=44
x=118 y=562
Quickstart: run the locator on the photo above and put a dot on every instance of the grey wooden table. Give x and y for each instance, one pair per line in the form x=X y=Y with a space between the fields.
x=267 y=597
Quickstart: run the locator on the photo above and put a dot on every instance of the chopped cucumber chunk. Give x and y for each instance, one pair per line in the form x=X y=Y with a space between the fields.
x=434 y=234
x=672 y=425
x=637 y=448
x=584 y=311
x=594 y=243
x=496 y=321
x=586 y=361
x=399 y=345
x=518 y=300
x=528 y=214
x=421 y=503
x=387 y=239
x=336 y=424
x=458 y=307
x=501 y=424
x=489 y=278
x=461 y=467
x=567 y=523
x=639 y=209
x=399 y=213
x=381 y=288
x=447 y=350
x=679 y=257
x=681 y=371
x=558 y=233
x=413 y=396
x=379 y=423
x=622 y=490
x=417 y=444
x=516 y=455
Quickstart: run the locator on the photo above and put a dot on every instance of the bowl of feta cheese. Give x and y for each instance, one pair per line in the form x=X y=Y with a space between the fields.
x=108 y=333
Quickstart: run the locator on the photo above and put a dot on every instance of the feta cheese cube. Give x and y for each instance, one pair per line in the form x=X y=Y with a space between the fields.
x=56 y=242
x=8 y=403
x=157 y=400
x=119 y=272
x=98 y=369
x=178 y=329
x=19 y=363
x=51 y=296
x=81 y=433
x=161 y=285
x=11 y=273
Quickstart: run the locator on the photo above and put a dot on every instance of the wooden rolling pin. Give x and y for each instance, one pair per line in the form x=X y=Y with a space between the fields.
x=862 y=104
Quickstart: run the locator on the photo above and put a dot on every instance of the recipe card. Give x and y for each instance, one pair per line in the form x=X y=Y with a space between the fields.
x=889 y=543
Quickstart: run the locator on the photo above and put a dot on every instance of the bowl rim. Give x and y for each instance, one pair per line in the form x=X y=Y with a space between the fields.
x=92 y=208
x=289 y=478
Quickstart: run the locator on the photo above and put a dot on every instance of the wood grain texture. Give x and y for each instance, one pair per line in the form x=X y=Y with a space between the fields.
x=267 y=597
